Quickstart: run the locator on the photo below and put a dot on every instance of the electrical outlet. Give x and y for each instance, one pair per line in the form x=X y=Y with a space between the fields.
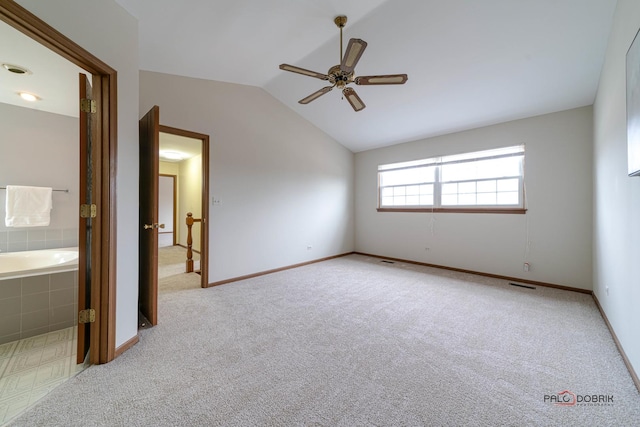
x=607 y=289
x=427 y=249
x=526 y=266
x=309 y=247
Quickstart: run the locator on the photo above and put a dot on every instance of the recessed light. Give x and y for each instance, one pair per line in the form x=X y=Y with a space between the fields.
x=28 y=96
x=16 y=69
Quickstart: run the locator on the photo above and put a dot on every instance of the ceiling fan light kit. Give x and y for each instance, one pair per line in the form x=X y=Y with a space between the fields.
x=344 y=74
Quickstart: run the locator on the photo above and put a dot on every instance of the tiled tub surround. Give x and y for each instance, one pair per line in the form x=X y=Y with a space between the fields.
x=36 y=305
x=29 y=239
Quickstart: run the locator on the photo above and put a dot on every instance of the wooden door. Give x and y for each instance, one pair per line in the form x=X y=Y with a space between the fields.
x=86 y=244
x=148 y=219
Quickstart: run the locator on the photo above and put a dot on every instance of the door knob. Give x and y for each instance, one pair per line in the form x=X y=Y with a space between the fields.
x=152 y=226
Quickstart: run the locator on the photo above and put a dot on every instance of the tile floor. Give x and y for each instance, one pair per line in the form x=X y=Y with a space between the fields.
x=32 y=367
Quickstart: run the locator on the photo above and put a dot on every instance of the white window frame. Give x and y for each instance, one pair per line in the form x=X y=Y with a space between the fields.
x=438 y=184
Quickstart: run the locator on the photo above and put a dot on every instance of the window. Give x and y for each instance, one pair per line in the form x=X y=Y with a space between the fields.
x=484 y=181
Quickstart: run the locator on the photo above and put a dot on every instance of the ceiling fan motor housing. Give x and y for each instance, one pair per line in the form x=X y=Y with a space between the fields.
x=338 y=77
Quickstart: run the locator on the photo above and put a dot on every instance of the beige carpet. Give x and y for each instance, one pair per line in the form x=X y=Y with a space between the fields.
x=171 y=270
x=355 y=342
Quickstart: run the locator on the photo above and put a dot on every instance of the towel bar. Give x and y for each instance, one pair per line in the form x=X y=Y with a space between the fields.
x=65 y=191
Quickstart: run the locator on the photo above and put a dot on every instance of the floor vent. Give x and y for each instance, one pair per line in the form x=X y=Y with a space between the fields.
x=387 y=262
x=522 y=286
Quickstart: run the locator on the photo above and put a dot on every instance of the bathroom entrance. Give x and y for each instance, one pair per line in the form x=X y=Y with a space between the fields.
x=104 y=129
x=79 y=172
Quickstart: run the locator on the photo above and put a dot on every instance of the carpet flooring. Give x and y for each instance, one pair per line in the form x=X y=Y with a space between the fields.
x=356 y=342
x=171 y=270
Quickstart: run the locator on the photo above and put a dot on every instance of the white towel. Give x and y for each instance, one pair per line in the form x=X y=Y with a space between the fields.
x=28 y=206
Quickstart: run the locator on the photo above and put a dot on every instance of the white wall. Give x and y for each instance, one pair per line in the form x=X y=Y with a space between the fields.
x=107 y=31
x=40 y=149
x=282 y=183
x=617 y=196
x=558 y=221
x=169 y=168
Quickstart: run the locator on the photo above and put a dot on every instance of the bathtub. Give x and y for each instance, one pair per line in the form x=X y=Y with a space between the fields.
x=34 y=263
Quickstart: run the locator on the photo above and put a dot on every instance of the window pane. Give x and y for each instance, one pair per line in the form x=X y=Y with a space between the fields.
x=387 y=201
x=407 y=176
x=398 y=201
x=486 y=198
x=467 y=199
x=409 y=164
x=487 y=186
x=449 y=199
x=518 y=149
x=413 y=200
x=449 y=189
x=481 y=169
x=399 y=191
x=413 y=190
x=426 y=189
x=467 y=187
x=510 y=198
x=426 y=200
x=508 y=185
x=387 y=192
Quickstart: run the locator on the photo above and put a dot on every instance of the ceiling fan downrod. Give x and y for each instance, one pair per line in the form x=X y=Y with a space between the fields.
x=340 y=21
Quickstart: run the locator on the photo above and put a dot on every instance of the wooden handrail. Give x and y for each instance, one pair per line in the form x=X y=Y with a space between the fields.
x=190 y=221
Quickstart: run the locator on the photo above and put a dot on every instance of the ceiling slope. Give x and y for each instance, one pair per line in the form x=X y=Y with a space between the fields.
x=469 y=63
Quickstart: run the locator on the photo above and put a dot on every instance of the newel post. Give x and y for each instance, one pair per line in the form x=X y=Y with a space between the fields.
x=190 y=222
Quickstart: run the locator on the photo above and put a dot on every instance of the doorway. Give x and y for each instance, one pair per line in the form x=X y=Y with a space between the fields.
x=184 y=154
x=100 y=270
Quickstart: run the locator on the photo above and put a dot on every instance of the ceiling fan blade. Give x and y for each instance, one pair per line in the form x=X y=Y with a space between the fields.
x=353 y=99
x=352 y=55
x=293 y=69
x=315 y=95
x=389 y=79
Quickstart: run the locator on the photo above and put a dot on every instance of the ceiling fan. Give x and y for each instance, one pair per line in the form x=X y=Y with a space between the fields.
x=343 y=74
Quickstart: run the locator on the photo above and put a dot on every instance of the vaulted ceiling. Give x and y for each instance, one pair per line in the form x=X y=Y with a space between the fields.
x=470 y=63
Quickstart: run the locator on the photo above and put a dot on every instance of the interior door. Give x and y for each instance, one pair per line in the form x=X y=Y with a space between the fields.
x=148 y=219
x=86 y=197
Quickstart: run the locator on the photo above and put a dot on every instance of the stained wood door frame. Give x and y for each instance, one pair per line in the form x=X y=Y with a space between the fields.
x=204 y=228
x=103 y=288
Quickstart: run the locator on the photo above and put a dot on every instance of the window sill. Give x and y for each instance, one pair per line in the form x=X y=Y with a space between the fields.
x=518 y=211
